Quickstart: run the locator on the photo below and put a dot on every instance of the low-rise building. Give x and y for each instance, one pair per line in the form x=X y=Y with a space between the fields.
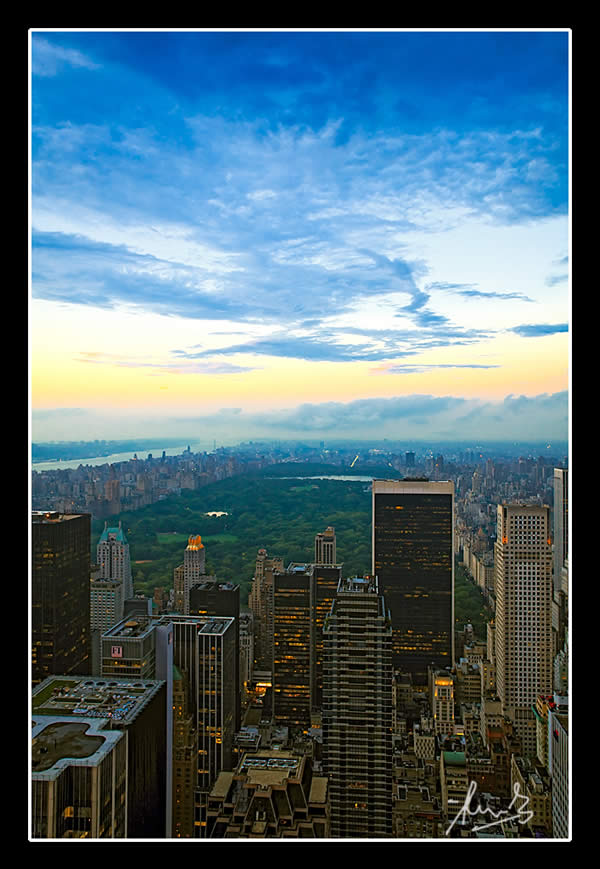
x=531 y=781
x=271 y=794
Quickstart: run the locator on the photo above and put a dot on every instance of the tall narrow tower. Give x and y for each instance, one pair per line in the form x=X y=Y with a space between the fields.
x=190 y=573
x=112 y=554
x=523 y=582
x=357 y=711
x=325 y=547
x=260 y=601
x=212 y=598
x=561 y=523
x=413 y=559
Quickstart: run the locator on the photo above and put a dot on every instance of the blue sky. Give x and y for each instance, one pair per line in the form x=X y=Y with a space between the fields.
x=274 y=220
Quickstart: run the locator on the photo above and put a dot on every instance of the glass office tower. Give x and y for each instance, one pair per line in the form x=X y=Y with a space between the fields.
x=414 y=561
x=60 y=594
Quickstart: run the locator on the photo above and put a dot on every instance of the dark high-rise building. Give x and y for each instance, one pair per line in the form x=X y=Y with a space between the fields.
x=414 y=561
x=203 y=650
x=60 y=594
x=213 y=598
x=409 y=460
x=185 y=757
x=326 y=578
x=292 y=594
x=302 y=598
x=357 y=711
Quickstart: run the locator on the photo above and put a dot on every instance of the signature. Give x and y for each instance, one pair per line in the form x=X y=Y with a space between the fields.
x=523 y=815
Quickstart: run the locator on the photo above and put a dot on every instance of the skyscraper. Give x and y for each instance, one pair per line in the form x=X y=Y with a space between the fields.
x=325 y=547
x=112 y=554
x=357 y=711
x=213 y=598
x=326 y=578
x=190 y=573
x=260 y=601
x=60 y=594
x=561 y=523
x=292 y=594
x=523 y=583
x=203 y=651
x=413 y=559
x=560 y=596
x=185 y=757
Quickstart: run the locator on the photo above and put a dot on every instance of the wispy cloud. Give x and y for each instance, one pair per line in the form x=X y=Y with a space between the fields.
x=49 y=58
x=539 y=330
x=179 y=367
x=553 y=280
x=419 y=369
x=469 y=292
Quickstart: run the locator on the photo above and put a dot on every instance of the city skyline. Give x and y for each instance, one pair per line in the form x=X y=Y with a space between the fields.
x=298 y=233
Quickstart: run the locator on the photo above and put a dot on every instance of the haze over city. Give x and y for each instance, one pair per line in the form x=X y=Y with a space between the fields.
x=299 y=234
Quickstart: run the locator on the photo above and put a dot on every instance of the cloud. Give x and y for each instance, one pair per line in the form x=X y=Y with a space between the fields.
x=62 y=412
x=252 y=221
x=310 y=348
x=419 y=369
x=542 y=417
x=49 y=58
x=540 y=330
x=553 y=280
x=424 y=417
x=207 y=367
x=326 y=343
x=277 y=180
x=470 y=293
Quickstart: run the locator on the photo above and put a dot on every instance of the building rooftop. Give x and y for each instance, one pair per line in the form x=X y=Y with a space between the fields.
x=117 y=699
x=358 y=585
x=48 y=517
x=132 y=627
x=195 y=543
x=454 y=758
x=59 y=742
x=206 y=624
x=113 y=534
x=270 y=768
x=207 y=584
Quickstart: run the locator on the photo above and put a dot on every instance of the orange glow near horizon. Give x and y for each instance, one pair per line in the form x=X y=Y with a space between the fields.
x=60 y=382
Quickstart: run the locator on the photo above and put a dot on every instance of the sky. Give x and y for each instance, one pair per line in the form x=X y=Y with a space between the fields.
x=349 y=234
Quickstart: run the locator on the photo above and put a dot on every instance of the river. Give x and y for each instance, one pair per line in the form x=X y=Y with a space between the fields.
x=60 y=465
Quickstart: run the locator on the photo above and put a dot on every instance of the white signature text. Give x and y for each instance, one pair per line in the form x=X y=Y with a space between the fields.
x=518 y=804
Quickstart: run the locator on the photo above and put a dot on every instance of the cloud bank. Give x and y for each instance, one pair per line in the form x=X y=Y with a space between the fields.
x=419 y=417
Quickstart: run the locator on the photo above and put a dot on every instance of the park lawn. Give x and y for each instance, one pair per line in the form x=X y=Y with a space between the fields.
x=171 y=537
x=219 y=538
